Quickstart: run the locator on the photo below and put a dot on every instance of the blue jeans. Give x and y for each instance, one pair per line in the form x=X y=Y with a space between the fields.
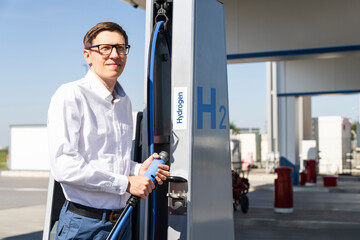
x=74 y=226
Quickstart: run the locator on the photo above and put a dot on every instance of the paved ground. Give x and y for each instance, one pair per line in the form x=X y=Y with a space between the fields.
x=319 y=212
x=22 y=206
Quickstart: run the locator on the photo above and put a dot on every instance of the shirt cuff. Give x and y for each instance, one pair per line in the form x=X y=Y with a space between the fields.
x=121 y=183
x=137 y=169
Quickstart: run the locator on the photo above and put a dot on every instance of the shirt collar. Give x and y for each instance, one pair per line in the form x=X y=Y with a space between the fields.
x=100 y=89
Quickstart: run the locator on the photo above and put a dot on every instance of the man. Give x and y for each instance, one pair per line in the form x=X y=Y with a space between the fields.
x=90 y=136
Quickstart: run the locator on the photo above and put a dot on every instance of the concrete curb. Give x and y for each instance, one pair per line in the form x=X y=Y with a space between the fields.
x=310 y=189
x=16 y=173
x=304 y=224
x=295 y=189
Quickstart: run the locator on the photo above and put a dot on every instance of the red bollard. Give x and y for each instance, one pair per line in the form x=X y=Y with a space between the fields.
x=310 y=168
x=283 y=192
x=302 y=178
x=329 y=181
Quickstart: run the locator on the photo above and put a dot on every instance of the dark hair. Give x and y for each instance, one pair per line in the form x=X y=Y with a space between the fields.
x=100 y=27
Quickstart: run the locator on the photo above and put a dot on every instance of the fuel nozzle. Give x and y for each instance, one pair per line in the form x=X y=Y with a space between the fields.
x=151 y=171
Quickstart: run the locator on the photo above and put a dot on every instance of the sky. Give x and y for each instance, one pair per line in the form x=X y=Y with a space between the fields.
x=41 y=48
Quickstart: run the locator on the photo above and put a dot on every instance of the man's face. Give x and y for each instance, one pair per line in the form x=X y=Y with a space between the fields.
x=107 y=67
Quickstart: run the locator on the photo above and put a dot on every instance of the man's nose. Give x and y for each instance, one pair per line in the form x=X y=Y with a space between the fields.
x=114 y=53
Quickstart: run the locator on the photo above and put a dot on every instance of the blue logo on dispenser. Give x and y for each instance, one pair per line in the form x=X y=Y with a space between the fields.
x=209 y=108
x=180 y=113
x=180 y=106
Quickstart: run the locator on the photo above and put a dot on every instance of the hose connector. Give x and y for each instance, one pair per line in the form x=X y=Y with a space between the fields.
x=133 y=200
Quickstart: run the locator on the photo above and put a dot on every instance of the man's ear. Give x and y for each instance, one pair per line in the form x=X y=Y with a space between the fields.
x=87 y=56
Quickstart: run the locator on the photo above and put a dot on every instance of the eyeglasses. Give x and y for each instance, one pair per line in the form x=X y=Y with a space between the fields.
x=106 y=49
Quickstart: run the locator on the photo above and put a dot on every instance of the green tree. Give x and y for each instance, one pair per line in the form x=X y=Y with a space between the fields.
x=353 y=131
x=235 y=129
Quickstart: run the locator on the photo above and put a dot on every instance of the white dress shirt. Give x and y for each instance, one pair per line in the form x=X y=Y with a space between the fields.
x=90 y=143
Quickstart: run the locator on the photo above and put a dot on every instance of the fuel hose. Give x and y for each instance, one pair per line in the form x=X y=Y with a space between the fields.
x=151 y=116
